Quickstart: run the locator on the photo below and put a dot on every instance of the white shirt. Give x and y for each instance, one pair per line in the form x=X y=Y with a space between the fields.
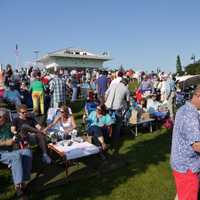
x=152 y=106
x=117 y=96
x=116 y=80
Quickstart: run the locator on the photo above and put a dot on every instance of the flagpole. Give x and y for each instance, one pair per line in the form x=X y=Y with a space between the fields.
x=17 y=56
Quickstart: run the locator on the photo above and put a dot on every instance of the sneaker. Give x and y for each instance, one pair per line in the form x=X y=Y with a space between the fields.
x=46 y=159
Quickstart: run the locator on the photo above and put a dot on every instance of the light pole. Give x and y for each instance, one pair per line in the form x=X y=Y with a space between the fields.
x=193 y=58
x=36 y=52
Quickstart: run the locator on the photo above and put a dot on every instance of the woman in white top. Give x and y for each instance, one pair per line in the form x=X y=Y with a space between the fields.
x=64 y=122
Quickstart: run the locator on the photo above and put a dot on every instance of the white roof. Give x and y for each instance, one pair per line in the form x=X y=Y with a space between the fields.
x=76 y=53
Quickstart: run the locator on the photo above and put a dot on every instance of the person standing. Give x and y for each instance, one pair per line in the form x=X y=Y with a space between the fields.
x=75 y=87
x=117 y=100
x=37 y=89
x=1 y=78
x=118 y=78
x=101 y=86
x=8 y=74
x=146 y=85
x=185 y=157
x=58 y=89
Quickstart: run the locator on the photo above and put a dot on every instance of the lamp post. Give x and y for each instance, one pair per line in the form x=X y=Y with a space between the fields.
x=36 y=52
x=193 y=58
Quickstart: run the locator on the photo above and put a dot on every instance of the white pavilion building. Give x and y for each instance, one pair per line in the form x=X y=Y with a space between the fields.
x=71 y=58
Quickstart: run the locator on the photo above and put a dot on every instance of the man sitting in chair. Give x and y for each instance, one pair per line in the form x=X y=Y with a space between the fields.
x=20 y=160
x=25 y=124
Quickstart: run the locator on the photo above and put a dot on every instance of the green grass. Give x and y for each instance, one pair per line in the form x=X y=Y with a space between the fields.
x=141 y=171
x=144 y=174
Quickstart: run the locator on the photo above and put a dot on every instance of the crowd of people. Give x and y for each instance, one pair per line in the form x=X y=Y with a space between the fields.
x=109 y=101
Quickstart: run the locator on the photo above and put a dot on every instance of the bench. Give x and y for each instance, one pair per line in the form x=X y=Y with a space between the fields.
x=142 y=121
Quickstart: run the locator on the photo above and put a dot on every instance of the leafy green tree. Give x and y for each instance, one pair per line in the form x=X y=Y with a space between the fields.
x=193 y=69
x=178 y=65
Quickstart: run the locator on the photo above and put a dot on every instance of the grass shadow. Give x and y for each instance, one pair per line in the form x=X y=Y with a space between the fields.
x=134 y=160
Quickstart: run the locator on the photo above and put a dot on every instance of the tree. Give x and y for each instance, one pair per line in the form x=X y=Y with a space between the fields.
x=121 y=68
x=178 y=65
x=193 y=69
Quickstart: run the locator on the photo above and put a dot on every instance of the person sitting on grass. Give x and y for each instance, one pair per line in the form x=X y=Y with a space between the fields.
x=63 y=123
x=99 y=123
x=25 y=124
x=19 y=160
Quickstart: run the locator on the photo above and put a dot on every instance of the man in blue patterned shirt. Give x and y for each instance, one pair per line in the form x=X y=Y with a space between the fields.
x=185 y=157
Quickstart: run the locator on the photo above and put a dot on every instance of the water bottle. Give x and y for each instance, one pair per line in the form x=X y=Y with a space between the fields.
x=73 y=135
x=53 y=138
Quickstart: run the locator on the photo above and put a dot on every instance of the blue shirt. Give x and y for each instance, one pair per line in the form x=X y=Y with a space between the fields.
x=90 y=106
x=105 y=120
x=85 y=85
x=102 y=83
x=13 y=96
x=146 y=85
x=185 y=133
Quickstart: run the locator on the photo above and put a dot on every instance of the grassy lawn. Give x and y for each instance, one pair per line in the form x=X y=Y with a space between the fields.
x=141 y=171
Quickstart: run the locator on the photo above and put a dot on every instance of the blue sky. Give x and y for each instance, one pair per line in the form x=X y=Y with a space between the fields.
x=139 y=34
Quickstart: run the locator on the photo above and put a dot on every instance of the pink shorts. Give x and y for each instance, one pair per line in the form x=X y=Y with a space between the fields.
x=1 y=92
x=187 y=185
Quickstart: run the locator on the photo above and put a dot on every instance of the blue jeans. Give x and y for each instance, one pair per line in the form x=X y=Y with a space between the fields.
x=160 y=115
x=20 y=162
x=74 y=93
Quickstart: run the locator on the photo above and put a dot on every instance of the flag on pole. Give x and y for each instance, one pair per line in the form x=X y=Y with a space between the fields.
x=16 y=50
x=17 y=55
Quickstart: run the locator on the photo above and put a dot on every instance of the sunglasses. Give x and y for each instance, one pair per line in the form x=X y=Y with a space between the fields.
x=24 y=112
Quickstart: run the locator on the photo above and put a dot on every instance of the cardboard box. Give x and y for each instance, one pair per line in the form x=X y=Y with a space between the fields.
x=134 y=117
x=145 y=116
